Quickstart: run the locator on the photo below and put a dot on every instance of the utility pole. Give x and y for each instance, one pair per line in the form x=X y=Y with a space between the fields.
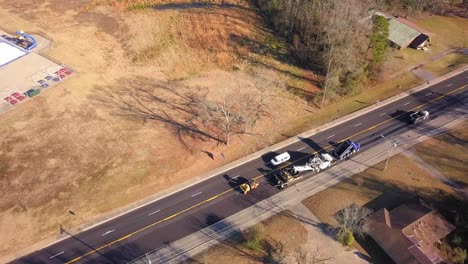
x=394 y=145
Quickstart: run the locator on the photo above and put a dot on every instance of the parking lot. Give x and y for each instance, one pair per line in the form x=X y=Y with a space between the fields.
x=25 y=74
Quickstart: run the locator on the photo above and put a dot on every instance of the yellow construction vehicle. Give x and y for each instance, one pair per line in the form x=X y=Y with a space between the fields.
x=248 y=186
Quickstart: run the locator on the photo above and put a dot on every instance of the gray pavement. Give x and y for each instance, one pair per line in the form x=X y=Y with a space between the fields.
x=423 y=74
x=199 y=241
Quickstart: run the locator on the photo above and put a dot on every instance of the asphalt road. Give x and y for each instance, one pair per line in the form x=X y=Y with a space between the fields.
x=159 y=223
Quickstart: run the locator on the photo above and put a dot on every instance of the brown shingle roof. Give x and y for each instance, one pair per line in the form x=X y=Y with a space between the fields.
x=414 y=229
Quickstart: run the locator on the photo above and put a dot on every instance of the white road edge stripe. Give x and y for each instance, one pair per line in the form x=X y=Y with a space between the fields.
x=301 y=148
x=196 y=194
x=108 y=232
x=357 y=124
x=56 y=255
x=383 y=114
x=331 y=136
x=157 y=211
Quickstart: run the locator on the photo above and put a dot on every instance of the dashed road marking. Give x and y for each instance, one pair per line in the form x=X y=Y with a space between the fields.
x=58 y=254
x=428 y=94
x=108 y=232
x=331 y=136
x=196 y=194
x=383 y=114
x=231 y=189
x=235 y=177
x=301 y=148
x=358 y=124
x=407 y=103
x=450 y=84
x=155 y=212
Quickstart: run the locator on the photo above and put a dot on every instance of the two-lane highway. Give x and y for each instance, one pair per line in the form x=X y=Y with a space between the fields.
x=161 y=222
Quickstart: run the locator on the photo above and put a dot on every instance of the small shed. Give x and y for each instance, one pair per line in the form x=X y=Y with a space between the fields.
x=403 y=33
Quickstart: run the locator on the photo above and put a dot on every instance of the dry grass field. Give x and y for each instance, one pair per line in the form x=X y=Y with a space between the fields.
x=68 y=150
x=447 y=153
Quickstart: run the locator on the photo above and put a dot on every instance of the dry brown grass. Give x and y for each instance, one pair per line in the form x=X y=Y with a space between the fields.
x=65 y=151
x=141 y=4
x=283 y=232
x=447 y=153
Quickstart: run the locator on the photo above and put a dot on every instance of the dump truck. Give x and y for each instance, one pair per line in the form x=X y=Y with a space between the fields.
x=345 y=149
x=417 y=117
x=317 y=163
x=246 y=187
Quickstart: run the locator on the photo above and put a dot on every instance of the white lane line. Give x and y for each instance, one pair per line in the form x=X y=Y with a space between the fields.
x=235 y=177
x=56 y=255
x=357 y=124
x=383 y=114
x=157 y=211
x=331 y=136
x=301 y=148
x=196 y=194
x=407 y=103
x=108 y=232
x=428 y=94
x=450 y=84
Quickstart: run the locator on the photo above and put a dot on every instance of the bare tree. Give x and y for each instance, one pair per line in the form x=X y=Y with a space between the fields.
x=349 y=219
x=233 y=112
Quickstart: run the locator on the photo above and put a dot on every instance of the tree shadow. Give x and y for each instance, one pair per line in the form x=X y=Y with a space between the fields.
x=315 y=146
x=267 y=157
x=177 y=107
x=209 y=154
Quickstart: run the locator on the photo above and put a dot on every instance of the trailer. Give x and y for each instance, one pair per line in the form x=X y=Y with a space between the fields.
x=285 y=177
x=317 y=163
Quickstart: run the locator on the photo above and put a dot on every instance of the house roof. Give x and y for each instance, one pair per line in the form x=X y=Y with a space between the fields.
x=401 y=31
x=401 y=34
x=408 y=232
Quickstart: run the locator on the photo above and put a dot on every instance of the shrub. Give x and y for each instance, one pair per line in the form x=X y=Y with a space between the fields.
x=346 y=238
x=457 y=240
x=457 y=255
x=254 y=240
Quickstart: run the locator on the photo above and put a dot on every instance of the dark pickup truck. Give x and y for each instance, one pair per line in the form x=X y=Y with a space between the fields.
x=417 y=117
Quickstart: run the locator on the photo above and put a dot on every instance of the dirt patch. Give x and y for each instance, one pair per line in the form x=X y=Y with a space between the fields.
x=271 y=237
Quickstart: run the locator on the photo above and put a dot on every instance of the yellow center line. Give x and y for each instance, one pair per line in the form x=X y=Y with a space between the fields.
x=257 y=177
